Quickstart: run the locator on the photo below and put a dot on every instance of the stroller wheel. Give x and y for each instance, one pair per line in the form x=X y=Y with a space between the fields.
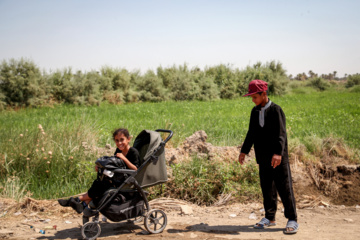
x=155 y=221
x=90 y=230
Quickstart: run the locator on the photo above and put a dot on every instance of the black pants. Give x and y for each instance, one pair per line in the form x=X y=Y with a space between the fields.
x=273 y=181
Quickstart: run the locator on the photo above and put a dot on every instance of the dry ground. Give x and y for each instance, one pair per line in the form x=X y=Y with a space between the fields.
x=185 y=221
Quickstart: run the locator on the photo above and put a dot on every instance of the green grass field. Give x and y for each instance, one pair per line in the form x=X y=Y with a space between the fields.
x=26 y=163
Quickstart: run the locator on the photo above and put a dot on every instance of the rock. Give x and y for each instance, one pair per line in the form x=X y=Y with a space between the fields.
x=347 y=169
x=84 y=145
x=252 y=216
x=5 y=233
x=348 y=220
x=17 y=213
x=196 y=143
x=108 y=146
x=143 y=232
x=193 y=235
x=232 y=215
x=186 y=210
x=324 y=204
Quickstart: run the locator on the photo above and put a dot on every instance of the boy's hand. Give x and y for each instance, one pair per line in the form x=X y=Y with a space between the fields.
x=241 y=158
x=120 y=155
x=276 y=160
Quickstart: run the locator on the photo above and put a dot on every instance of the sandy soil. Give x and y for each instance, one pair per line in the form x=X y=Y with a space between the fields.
x=185 y=221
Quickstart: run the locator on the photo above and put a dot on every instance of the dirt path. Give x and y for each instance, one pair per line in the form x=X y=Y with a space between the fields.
x=188 y=221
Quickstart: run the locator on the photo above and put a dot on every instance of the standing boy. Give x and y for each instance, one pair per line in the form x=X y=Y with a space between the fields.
x=267 y=132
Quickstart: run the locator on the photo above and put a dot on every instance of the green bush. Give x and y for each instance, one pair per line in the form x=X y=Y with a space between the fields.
x=22 y=84
x=150 y=88
x=202 y=181
x=318 y=83
x=62 y=85
x=271 y=72
x=226 y=80
x=353 y=80
x=355 y=89
x=50 y=159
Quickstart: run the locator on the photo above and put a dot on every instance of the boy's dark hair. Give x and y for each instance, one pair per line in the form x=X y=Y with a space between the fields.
x=267 y=92
x=123 y=131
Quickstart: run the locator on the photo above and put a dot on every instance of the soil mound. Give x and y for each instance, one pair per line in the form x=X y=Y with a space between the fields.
x=323 y=183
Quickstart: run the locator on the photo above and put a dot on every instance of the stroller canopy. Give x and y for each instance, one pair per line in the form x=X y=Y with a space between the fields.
x=150 y=173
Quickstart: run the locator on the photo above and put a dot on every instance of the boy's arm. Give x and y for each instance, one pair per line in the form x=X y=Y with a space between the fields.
x=249 y=139
x=281 y=132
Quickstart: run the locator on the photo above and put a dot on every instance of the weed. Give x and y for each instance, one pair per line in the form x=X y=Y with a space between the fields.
x=203 y=181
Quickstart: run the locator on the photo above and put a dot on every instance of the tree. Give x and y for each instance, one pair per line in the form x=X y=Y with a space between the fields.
x=22 y=84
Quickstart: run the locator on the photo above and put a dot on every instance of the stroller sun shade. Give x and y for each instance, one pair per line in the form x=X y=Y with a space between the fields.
x=150 y=173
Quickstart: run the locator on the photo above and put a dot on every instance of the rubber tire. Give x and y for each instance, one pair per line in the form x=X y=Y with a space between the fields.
x=152 y=220
x=94 y=229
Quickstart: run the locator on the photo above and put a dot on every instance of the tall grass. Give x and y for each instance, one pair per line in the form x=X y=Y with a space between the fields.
x=202 y=181
x=68 y=169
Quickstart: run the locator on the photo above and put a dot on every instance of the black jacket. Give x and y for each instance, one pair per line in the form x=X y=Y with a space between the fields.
x=271 y=138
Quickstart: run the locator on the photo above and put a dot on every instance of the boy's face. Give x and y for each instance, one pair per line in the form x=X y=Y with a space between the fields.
x=121 y=141
x=259 y=99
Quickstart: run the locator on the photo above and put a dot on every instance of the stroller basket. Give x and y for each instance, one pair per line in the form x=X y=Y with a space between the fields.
x=124 y=206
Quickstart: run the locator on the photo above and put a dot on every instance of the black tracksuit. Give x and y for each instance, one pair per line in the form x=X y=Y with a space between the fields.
x=99 y=187
x=269 y=140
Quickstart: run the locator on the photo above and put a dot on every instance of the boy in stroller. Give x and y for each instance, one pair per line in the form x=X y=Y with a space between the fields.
x=129 y=200
x=124 y=157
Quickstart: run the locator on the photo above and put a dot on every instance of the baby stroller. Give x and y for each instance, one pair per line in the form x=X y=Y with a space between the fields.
x=129 y=200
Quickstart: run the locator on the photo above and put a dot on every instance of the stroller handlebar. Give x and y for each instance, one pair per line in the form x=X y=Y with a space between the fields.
x=166 y=131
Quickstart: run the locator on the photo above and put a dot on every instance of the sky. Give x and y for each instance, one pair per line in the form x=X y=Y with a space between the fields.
x=318 y=35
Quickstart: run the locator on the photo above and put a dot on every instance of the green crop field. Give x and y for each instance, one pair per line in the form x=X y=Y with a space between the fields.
x=49 y=161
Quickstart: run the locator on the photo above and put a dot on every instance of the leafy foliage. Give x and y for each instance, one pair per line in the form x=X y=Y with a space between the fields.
x=202 y=181
x=318 y=83
x=353 y=80
x=22 y=84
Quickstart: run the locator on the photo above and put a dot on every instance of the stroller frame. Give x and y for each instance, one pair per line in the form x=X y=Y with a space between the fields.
x=155 y=220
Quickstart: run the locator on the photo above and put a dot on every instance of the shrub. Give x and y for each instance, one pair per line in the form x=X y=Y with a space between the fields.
x=225 y=78
x=85 y=89
x=355 y=89
x=22 y=84
x=180 y=83
x=50 y=161
x=202 y=181
x=353 y=80
x=150 y=88
x=62 y=85
x=271 y=72
x=318 y=83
